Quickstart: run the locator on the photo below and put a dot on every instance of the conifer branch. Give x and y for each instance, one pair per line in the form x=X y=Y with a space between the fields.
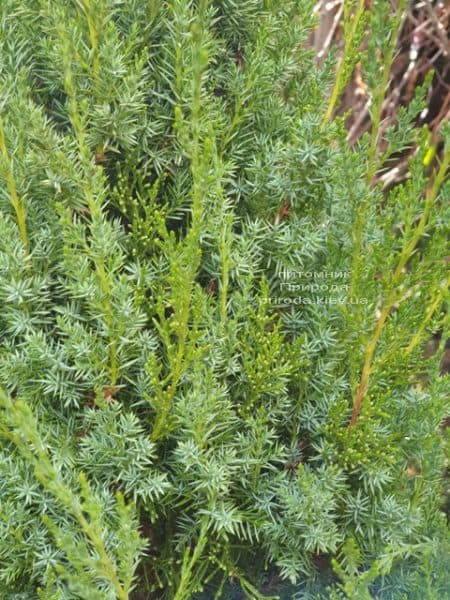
x=380 y=92
x=178 y=342
x=190 y=253
x=433 y=307
x=89 y=11
x=25 y=436
x=344 y=66
x=407 y=251
x=184 y=590
x=16 y=202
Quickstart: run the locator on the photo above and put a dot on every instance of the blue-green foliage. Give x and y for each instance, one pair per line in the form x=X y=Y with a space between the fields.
x=193 y=272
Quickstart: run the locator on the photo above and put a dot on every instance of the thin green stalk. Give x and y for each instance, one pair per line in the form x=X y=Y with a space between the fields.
x=106 y=289
x=92 y=203
x=88 y=10
x=417 y=338
x=377 y=107
x=218 y=594
x=176 y=371
x=192 y=240
x=16 y=202
x=342 y=72
x=430 y=198
x=184 y=589
x=98 y=545
x=405 y=255
x=225 y=255
x=372 y=166
x=251 y=592
x=26 y=437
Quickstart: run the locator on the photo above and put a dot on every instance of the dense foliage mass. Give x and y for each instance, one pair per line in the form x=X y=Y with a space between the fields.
x=212 y=324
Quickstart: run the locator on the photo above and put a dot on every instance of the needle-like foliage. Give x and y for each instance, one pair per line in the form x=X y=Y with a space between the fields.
x=212 y=325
